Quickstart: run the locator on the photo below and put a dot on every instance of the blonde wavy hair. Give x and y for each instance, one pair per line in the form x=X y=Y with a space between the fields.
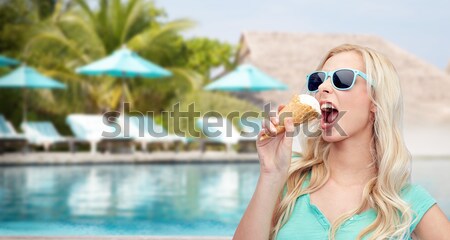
x=390 y=156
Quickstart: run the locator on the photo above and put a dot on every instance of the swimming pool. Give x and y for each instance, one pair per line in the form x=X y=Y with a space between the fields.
x=164 y=200
x=183 y=199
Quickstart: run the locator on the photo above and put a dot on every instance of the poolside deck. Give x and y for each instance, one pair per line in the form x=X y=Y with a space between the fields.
x=46 y=158
x=160 y=157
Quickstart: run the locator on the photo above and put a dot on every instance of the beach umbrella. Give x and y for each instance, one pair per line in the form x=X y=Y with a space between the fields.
x=4 y=61
x=123 y=64
x=25 y=77
x=246 y=78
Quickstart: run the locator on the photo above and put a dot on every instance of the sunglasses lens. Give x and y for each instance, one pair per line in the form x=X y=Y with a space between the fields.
x=314 y=80
x=343 y=79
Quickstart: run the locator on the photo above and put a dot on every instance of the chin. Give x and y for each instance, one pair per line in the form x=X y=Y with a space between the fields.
x=332 y=136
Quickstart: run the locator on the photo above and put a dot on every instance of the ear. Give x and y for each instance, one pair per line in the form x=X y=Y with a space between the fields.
x=373 y=108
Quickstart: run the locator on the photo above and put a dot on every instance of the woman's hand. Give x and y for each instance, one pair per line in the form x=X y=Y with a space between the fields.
x=275 y=159
x=275 y=152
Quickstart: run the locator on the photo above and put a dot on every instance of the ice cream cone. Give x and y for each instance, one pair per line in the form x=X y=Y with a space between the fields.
x=302 y=108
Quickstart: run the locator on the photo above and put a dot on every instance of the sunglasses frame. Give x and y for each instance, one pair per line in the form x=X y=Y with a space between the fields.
x=330 y=74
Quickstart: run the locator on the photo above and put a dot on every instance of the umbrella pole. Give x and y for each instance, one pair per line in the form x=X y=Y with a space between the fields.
x=24 y=114
x=122 y=102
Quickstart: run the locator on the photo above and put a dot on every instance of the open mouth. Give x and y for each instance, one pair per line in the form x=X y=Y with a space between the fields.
x=329 y=113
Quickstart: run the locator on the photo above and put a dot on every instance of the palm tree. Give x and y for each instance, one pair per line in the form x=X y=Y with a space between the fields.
x=77 y=34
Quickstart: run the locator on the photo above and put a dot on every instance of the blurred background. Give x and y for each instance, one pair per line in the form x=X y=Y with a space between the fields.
x=198 y=43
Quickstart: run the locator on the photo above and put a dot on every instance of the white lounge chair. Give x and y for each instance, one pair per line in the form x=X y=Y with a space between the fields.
x=250 y=128
x=217 y=130
x=42 y=134
x=94 y=130
x=145 y=131
x=9 y=136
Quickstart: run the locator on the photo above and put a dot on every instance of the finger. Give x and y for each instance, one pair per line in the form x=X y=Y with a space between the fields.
x=264 y=130
x=272 y=129
x=280 y=107
x=275 y=119
x=263 y=135
x=289 y=125
x=265 y=122
x=279 y=117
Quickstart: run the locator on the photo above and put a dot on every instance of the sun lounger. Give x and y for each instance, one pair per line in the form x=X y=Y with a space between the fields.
x=145 y=131
x=9 y=136
x=42 y=134
x=217 y=130
x=250 y=128
x=93 y=130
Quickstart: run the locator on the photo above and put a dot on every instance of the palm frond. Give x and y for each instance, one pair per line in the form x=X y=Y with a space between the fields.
x=194 y=79
x=158 y=36
x=48 y=40
x=86 y=36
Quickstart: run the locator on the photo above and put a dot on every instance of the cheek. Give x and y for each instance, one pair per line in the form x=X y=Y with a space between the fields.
x=356 y=116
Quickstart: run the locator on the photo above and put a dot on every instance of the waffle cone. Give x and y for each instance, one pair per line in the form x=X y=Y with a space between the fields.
x=300 y=113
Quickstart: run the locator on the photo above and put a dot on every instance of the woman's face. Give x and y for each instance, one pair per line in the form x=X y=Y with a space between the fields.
x=354 y=109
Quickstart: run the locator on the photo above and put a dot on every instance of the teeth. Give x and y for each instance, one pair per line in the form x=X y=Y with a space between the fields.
x=327 y=107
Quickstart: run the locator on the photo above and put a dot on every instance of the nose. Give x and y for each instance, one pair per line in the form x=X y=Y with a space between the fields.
x=326 y=86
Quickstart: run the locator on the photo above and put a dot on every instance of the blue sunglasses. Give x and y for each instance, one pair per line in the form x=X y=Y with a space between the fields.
x=341 y=79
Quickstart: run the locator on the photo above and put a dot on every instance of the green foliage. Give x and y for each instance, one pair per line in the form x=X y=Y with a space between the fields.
x=56 y=37
x=206 y=54
x=199 y=103
x=79 y=35
x=15 y=17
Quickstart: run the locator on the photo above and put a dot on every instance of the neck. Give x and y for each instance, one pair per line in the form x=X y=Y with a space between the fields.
x=350 y=160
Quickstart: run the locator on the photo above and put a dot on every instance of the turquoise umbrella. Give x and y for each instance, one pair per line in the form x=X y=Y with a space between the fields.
x=124 y=63
x=26 y=77
x=4 y=61
x=246 y=78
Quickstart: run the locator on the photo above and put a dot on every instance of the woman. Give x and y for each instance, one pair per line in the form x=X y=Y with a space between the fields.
x=352 y=181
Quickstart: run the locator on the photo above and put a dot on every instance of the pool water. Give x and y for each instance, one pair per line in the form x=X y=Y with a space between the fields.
x=162 y=200
x=186 y=199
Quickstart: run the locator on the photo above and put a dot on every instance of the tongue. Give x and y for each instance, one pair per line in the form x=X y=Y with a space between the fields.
x=332 y=116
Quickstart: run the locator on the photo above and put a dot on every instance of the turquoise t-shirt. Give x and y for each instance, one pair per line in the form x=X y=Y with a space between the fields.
x=308 y=222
